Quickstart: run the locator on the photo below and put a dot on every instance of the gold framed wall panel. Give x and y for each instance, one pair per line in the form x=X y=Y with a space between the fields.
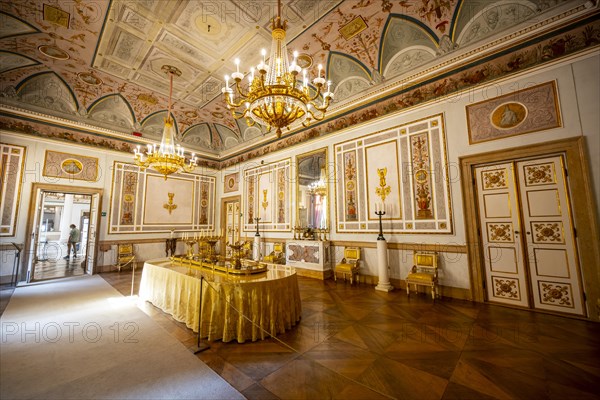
x=70 y=166
x=421 y=180
x=274 y=178
x=142 y=202
x=524 y=111
x=231 y=182
x=12 y=166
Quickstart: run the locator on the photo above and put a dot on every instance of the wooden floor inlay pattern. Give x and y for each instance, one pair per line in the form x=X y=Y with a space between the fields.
x=354 y=342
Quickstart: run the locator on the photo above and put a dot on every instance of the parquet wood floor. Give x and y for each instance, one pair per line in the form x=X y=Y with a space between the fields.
x=354 y=342
x=59 y=268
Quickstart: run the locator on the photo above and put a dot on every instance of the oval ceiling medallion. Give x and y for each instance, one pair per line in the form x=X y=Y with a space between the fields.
x=53 y=52
x=304 y=60
x=89 y=78
x=191 y=114
x=217 y=114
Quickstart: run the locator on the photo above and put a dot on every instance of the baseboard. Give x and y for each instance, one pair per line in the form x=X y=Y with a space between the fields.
x=311 y=273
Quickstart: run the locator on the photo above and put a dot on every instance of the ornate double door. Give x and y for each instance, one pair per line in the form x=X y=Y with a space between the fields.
x=527 y=236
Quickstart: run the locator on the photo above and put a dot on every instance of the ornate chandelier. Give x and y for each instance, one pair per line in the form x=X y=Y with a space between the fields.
x=169 y=158
x=275 y=97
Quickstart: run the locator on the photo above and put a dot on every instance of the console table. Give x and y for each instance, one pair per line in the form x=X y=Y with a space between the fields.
x=309 y=257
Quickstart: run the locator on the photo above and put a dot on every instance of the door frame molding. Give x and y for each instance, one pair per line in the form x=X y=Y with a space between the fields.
x=583 y=208
x=31 y=216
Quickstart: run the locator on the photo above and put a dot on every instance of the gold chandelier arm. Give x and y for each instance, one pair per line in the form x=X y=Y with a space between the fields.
x=311 y=99
x=240 y=90
x=238 y=115
x=324 y=107
x=315 y=116
x=233 y=104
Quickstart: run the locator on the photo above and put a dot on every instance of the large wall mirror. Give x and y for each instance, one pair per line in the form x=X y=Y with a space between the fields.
x=312 y=196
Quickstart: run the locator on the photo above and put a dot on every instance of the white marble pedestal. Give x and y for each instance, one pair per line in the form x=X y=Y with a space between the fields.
x=256 y=249
x=382 y=262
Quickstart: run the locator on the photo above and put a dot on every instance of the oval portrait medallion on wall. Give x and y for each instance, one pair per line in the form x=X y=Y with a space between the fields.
x=71 y=166
x=508 y=115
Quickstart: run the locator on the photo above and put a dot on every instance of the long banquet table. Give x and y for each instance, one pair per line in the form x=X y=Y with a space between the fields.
x=244 y=307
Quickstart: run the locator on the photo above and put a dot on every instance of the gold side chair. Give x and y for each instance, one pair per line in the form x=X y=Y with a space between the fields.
x=349 y=264
x=277 y=256
x=424 y=272
x=125 y=256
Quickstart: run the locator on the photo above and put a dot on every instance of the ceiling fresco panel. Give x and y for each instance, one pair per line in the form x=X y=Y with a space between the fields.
x=100 y=48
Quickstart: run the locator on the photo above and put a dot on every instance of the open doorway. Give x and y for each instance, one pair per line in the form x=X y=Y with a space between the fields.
x=64 y=218
x=59 y=215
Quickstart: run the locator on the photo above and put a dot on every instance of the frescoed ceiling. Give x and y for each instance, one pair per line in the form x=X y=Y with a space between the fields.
x=99 y=62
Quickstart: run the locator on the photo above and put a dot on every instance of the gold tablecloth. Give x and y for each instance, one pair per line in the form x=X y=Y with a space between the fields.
x=233 y=307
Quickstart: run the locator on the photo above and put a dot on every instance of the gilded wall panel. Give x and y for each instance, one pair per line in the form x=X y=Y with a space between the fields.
x=12 y=162
x=401 y=170
x=268 y=197
x=143 y=202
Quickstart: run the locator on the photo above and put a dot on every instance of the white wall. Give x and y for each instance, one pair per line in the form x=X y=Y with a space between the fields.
x=578 y=85
x=34 y=163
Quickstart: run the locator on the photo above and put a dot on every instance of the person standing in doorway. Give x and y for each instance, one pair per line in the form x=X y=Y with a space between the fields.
x=72 y=242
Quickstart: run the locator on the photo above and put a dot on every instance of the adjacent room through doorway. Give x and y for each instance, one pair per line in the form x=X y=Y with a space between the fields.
x=59 y=212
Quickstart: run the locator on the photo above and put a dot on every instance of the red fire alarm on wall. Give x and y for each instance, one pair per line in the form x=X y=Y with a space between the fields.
x=137 y=134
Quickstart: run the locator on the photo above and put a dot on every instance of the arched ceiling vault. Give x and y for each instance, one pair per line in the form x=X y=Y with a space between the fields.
x=100 y=62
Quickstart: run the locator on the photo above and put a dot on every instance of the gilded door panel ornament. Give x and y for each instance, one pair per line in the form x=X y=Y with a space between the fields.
x=548 y=232
x=281 y=196
x=130 y=180
x=494 y=179
x=350 y=186
x=265 y=203
x=541 y=174
x=556 y=294
x=500 y=233
x=383 y=190
x=170 y=205
x=506 y=288
x=251 y=206
x=204 y=203
x=420 y=164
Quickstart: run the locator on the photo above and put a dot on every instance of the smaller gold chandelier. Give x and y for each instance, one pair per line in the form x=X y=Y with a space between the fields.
x=319 y=187
x=275 y=97
x=169 y=158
